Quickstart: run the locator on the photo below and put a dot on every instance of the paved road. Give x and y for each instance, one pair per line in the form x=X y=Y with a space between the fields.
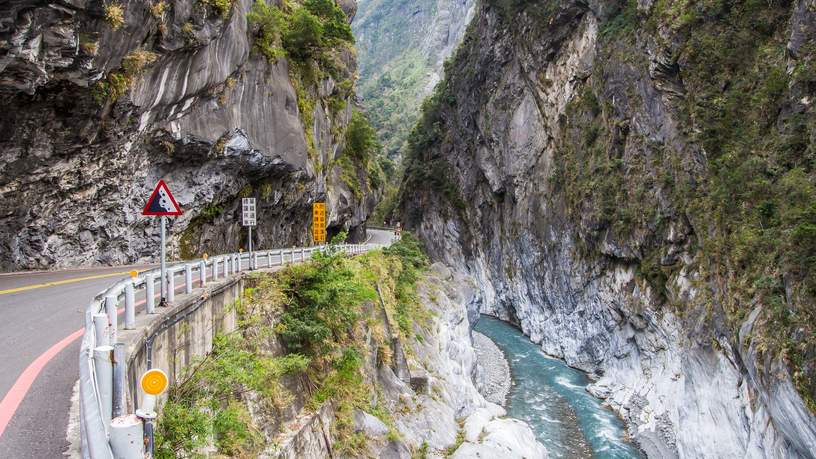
x=40 y=327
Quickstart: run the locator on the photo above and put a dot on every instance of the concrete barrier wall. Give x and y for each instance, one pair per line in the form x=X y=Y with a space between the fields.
x=177 y=335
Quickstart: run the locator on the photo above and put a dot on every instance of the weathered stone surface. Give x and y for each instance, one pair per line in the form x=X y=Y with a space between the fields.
x=368 y=424
x=509 y=438
x=446 y=353
x=215 y=120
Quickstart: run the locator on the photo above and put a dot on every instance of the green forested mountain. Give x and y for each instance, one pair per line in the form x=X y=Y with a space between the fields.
x=402 y=46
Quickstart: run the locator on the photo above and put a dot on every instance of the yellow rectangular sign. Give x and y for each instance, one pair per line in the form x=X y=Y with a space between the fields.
x=319 y=222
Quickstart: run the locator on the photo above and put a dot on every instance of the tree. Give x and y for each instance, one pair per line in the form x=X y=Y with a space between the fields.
x=305 y=34
x=335 y=22
x=361 y=138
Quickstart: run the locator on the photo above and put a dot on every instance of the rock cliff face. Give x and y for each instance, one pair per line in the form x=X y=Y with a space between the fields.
x=632 y=184
x=402 y=48
x=445 y=415
x=104 y=98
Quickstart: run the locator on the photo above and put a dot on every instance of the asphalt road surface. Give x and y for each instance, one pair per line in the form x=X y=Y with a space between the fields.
x=41 y=320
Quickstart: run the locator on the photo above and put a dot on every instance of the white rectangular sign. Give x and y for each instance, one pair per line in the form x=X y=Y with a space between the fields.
x=248 y=208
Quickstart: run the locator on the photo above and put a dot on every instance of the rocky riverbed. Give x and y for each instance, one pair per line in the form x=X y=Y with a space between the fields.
x=493 y=372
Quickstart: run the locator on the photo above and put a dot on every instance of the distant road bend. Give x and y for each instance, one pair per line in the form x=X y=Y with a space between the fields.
x=41 y=320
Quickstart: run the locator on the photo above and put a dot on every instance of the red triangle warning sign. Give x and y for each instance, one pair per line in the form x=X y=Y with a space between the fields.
x=161 y=202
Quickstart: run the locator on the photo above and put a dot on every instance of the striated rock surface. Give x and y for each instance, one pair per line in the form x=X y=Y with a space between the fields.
x=586 y=165
x=97 y=111
x=444 y=417
x=453 y=410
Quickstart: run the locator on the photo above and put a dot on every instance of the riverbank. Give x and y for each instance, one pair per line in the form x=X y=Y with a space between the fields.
x=493 y=378
x=552 y=399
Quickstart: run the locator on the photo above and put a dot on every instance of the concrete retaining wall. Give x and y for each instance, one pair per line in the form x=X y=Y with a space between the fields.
x=175 y=336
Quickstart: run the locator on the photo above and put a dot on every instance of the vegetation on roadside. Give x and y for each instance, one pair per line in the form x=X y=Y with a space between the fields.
x=319 y=312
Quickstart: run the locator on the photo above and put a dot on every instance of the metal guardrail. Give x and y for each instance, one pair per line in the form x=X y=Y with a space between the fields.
x=101 y=394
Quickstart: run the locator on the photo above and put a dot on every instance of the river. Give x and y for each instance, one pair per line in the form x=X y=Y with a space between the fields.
x=551 y=397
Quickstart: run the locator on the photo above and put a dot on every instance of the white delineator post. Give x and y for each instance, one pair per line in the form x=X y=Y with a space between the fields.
x=202 y=271
x=130 y=306
x=113 y=317
x=171 y=287
x=188 y=278
x=150 y=294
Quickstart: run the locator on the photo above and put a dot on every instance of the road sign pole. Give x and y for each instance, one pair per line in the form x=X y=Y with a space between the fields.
x=248 y=219
x=163 y=282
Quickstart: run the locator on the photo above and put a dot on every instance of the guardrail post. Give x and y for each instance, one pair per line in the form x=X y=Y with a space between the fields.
x=100 y=322
x=255 y=260
x=118 y=404
x=215 y=269
x=238 y=263
x=103 y=364
x=269 y=259
x=202 y=270
x=171 y=286
x=302 y=254
x=188 y=278
x=113 y=317
x=130 y=306
x=150 y=294
x=127 y=437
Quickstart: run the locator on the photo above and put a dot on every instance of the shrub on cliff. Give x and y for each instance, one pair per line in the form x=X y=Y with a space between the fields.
x=269 y=22
x=304 y=36
x=361 y=139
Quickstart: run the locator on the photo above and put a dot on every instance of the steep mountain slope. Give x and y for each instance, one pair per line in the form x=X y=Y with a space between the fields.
x=402 y=46
x=633 y=184
x=102 y=99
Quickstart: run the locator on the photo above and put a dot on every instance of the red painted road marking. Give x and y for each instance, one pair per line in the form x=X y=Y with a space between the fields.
x=15 y=395
x=20 y=388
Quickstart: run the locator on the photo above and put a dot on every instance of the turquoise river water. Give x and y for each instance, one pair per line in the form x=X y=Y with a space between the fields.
x=551 y=397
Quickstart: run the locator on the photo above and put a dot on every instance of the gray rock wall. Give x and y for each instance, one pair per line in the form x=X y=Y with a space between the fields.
x=480 y=192
x=208 y=115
